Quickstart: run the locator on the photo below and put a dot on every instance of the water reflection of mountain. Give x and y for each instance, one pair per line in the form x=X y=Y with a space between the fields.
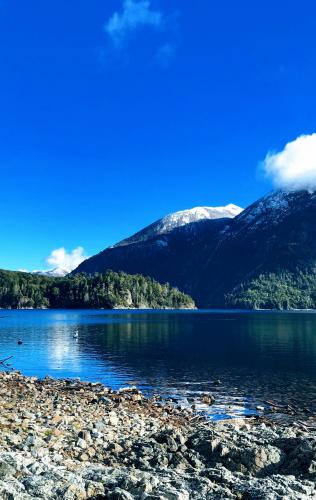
x=263 y=353
x=246 y=349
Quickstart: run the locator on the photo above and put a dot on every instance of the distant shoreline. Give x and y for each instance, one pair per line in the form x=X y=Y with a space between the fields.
x=99 y=309
x=193 y=309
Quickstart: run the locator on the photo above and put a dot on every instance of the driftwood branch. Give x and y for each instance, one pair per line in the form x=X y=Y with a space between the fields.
x=3 y=362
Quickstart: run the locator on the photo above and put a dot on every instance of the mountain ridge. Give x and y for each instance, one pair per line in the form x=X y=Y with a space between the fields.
x=212 y=259
x=181 y=218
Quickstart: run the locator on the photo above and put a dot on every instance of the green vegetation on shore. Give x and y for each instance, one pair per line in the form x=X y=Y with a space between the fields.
x=282 y=290
x=110 y=290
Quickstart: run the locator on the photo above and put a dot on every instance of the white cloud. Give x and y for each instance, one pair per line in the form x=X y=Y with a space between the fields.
x=62 y=259
x=135 y=14
x=295 y=166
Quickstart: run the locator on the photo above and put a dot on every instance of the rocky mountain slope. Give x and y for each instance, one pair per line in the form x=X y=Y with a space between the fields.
x=219 y=260
x=277 y=234
x=173 y=256
x=180 y=219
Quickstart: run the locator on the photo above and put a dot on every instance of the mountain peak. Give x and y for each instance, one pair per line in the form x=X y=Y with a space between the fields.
x=57 y=272
x=263 y=258
x=277 y=205
x=199 y=213
x=181 y=218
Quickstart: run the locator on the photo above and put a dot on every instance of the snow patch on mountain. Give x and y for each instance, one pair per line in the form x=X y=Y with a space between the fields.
x=179 y=219
x=57 y=272
x=274 y=208
x=184 y=217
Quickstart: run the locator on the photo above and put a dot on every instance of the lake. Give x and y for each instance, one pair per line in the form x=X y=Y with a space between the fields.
x=243 y=358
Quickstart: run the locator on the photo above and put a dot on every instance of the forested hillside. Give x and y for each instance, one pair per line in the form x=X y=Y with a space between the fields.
x=282 y=290
x=109 y=290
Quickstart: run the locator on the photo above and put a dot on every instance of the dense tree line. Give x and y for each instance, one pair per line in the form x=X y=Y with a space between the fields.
x=109 y=290
x=279 y=290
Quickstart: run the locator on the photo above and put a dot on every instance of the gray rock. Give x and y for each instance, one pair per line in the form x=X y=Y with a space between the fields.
x=100 y=426
x=119 y=494
x=7 y=466
x=34 y=441
x=262 y=460
x=39 y=486
x=81 y=443
x=13 y=490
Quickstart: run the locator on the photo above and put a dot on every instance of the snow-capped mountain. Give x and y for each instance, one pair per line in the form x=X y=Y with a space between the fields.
x=209 y=256
x=57 y=272
x=166 y=248
x=276 y=236
x=181 y=218
x=177 y=219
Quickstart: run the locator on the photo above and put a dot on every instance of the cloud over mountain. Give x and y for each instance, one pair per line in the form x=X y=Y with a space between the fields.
x=295 y=166
x=60 y=258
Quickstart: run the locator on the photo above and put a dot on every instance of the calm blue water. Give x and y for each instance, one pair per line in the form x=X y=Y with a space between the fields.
x=257 y=356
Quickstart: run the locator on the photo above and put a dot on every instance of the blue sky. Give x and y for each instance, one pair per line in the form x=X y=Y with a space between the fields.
x=114 y=113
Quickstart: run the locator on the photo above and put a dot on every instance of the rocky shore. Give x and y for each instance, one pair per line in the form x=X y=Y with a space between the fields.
x=71 y=440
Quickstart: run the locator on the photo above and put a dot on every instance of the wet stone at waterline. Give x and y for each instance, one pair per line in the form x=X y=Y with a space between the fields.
x=244 y=361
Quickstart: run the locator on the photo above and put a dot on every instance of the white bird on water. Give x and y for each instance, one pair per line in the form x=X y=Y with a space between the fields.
x=76 y=334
